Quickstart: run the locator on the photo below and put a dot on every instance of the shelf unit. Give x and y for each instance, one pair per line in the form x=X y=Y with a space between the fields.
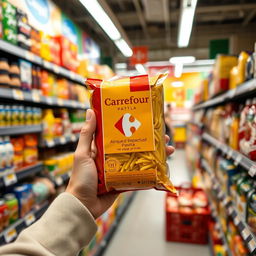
x=9 y=234
x=239 y=159
x=246 y=234
x=120 y=213
x=20 y=129
x=29 y=56
x=241 y=91
x=59 y=141
x=11 y=178
x=35 y=98
x=219 y=226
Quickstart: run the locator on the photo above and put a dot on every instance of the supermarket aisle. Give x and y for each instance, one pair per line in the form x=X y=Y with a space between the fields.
x=141 y=232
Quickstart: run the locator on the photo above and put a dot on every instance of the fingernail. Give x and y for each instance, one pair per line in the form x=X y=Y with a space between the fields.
x=88 y=115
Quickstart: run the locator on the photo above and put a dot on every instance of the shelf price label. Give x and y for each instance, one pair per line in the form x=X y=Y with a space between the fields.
x=229 y=154
x=49 y=100
x=72 y=75
x=60 y=102
x=10 y=179
x=63 y=140
x=73 y=137
x=252 y=170
x=56 y=69
x=50 y=143
x=10 y=235
x=35 y=96
x=17 y=94
x=245 y=233
x=29 y=56
x=238 y=159
x=236 y=220
x=47 y=64
x=252 y=245
x=29 y=219
x=59 y=181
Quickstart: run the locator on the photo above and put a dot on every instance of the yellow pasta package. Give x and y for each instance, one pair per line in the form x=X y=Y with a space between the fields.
x=130 y=134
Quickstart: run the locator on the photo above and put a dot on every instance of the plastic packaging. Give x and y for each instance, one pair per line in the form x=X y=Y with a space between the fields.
x=130 y=134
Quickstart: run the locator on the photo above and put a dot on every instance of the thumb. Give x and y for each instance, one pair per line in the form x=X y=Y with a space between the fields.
x=86 y=134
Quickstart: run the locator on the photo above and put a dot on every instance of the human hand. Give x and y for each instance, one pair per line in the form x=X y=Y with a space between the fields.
x=83 y=182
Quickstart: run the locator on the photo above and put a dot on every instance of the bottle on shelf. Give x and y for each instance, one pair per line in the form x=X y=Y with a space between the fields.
x=48 y=124
x=9 y=152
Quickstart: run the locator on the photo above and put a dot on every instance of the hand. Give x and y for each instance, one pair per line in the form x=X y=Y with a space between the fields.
x=83 y=183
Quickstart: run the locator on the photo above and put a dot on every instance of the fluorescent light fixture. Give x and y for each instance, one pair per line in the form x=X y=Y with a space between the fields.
x=140 y=68
x=177 y=84
x=178 y=69
x=121 y=66
x=186 y=22
x=123 y=47
x=182 y=59
x=101 y=17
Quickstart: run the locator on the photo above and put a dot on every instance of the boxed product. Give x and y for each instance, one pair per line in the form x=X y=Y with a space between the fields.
x=130 y=134
x=9 y=22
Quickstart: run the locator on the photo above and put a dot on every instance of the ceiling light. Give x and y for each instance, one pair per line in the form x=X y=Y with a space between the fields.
x=186 y=22
x=140 y=68
x=182 y=59
x=123 y=47
x=177 y=84
x=101 y=17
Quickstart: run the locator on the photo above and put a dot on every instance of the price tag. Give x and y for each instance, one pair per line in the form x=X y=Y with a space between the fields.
x=72 y=75
x=59 y=181
x=74 y=104
x=225 y=201
x=245 y=233
x=50 y=143
x=10 y=179
x=56 y=69
x=35 y=96
x=225 y=150
x=29 y=56
x=229 y=154
x=252 y=245
x=230 y=210
x=60 y=102
x=232 y=93
x=10 y=235
x=49 y=100
x=47 y=64
x=73 y=137
x=252 y=170
x=220 y=194
x=236 y=220
x=17 y=94
x=63 y=140
x=29 y=219
x=238 y=159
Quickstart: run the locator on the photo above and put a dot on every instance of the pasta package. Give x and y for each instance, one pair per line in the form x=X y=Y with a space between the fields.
x=130 y=134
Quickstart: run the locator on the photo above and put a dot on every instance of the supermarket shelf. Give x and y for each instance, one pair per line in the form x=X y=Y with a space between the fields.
x=120 y=213
x=34 y=97
x=27 y=55
x=60 y=141
x=20 y=129
x=219 y=226
x=11 y=178
x=9 y=234
x=238 y=158
x=244 y=230
x=241 y=91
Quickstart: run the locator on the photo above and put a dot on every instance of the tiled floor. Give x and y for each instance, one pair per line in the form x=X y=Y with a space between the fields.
x=141 y=232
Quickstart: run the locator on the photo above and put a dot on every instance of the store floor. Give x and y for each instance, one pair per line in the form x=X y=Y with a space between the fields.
x=141 y=231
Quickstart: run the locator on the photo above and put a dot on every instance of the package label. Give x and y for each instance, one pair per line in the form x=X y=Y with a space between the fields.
x=127 y=116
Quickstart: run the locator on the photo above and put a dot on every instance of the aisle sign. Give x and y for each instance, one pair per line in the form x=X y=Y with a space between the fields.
x=140 y=55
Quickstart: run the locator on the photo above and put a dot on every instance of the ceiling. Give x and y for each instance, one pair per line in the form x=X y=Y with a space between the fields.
x=155 y=22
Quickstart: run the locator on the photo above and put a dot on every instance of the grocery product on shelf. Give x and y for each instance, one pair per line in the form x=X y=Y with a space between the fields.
x=251 y=210
x=120 y=106
x=48 y=124
x=12 y=206
x=25 y=74
x=77 y=119
x=9 y=152
x=4 y=215
x=59 y=164
x=30 y=152
x=4 y=72
x=9 y=22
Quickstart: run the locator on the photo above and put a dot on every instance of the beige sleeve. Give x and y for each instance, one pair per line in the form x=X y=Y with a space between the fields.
x=65 y=228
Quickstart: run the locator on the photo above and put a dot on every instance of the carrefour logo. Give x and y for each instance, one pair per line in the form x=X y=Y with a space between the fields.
x=39 y=9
